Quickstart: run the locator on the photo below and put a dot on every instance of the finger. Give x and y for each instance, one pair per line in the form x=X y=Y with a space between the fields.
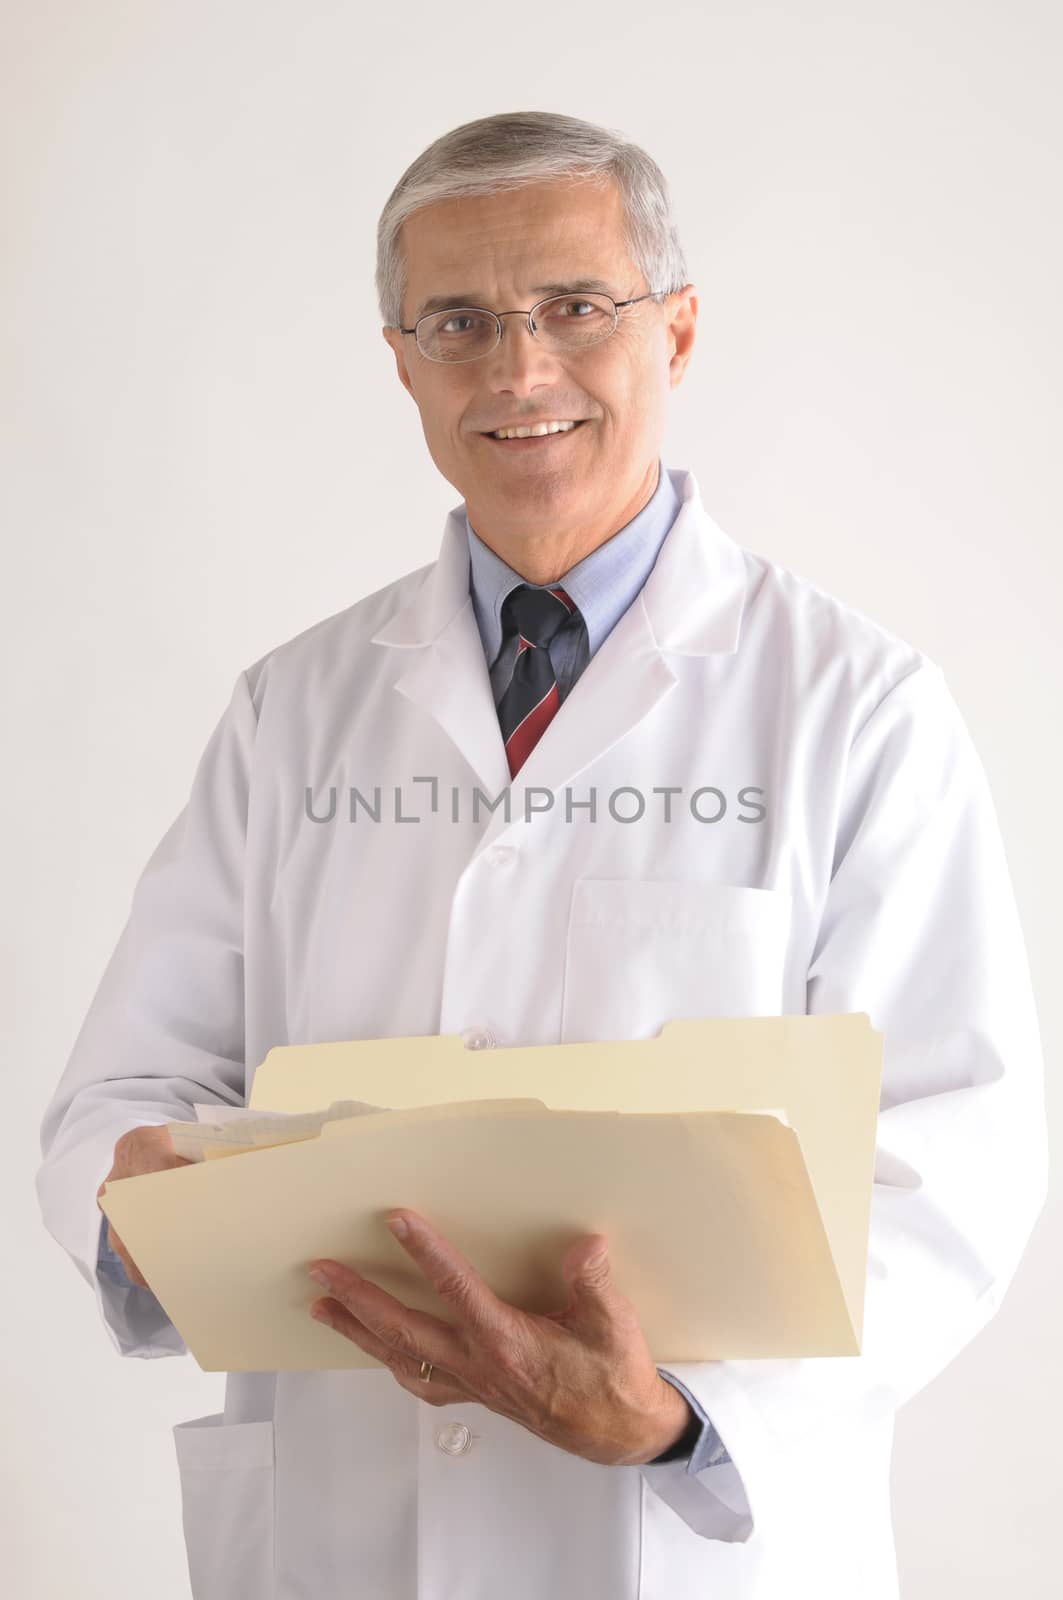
x=453 y=1277
x=410 y=1333
x=441 y=1389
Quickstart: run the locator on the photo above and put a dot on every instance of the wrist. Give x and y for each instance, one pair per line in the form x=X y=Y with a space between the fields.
x=674 y=1421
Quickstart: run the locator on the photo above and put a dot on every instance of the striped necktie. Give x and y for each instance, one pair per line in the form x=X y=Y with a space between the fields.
x=531 y=697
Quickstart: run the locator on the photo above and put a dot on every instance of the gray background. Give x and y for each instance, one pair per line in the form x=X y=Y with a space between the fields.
x=206 y=448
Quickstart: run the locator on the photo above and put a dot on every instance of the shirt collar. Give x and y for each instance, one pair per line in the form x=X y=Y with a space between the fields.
x=602 y=585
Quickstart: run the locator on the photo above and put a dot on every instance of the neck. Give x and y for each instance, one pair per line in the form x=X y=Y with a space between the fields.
x=546 y=555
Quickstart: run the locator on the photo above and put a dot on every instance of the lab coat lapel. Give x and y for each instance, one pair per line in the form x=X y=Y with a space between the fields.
x=690 y=605
x=447 y=677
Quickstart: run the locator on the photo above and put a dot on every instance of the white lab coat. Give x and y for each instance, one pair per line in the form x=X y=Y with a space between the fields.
x=875 y=881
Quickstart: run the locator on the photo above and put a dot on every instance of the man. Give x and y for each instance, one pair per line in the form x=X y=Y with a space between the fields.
x=727 y=793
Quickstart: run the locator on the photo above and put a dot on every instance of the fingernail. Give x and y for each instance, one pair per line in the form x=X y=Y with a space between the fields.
x=320 y=1276
x=398 y=1227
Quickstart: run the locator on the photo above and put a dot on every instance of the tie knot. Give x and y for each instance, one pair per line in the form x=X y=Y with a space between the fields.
x=537 y=614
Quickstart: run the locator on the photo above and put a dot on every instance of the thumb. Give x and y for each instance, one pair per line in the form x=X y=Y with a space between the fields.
x=586 y=1270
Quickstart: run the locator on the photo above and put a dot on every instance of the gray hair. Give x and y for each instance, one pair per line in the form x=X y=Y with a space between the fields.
x=516 y=148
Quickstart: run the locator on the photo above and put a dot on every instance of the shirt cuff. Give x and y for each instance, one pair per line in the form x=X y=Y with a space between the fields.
x=109 y=1263
x=701 y=1443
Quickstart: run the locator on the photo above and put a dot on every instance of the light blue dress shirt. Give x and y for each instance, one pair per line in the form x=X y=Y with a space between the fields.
x=602 y=585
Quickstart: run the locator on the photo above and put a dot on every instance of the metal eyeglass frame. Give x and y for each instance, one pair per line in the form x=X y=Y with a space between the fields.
x=498 y=315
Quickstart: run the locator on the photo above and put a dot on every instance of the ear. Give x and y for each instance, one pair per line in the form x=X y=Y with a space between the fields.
x=395 y=339
x=681 y=326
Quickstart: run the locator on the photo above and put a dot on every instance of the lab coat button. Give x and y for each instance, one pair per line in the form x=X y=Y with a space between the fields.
x=501 y=854
x=454 y=1438
x=479 y=1039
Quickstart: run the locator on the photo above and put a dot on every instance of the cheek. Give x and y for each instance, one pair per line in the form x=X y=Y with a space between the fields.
x=441 y=410
x=622 y=394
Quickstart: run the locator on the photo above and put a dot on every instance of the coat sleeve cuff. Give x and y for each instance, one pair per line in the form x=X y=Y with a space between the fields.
x=132 y=1315
x=135 y=1321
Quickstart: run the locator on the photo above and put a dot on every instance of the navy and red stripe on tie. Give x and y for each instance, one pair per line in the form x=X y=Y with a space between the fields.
x=531 y=698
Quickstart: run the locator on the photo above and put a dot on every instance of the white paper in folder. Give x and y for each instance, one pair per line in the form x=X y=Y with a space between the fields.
x=728 y=1160
x=227 y=1130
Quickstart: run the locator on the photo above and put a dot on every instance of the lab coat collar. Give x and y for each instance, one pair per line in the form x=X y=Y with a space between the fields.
x=692 y=598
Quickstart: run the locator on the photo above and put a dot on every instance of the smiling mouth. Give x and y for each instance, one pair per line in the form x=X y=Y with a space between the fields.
x=538 y=438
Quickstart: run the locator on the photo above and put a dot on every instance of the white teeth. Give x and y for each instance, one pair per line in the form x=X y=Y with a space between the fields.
x=539 y=429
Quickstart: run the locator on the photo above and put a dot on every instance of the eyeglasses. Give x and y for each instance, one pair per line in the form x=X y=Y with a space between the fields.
x=565 y=322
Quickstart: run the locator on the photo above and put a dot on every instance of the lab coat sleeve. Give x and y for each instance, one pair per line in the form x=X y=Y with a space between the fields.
x=919 y=928
x=165 y=1028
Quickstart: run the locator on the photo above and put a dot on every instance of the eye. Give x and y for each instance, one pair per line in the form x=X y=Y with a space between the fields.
x=446 y=328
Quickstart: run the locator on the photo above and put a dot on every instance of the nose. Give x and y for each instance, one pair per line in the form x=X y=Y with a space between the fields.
x=519 y=363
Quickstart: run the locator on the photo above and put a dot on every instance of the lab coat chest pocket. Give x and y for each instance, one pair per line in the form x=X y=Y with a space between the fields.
x=227 y=1487
x=641 y=951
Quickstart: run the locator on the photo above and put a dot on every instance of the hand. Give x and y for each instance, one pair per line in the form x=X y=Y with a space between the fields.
x=582 y=1378
x=147 y=1149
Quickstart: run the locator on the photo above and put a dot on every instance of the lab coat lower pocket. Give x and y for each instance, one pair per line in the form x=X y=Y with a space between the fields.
x=227 y=1485
x=640 y=951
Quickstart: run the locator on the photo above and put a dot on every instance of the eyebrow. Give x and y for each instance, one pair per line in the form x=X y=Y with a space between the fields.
x=446 y=302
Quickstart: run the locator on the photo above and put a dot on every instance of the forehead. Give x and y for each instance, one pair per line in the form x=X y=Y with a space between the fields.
x=535 y=240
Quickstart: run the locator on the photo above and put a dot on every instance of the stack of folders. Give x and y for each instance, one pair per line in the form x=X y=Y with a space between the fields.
x=729 y=1162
